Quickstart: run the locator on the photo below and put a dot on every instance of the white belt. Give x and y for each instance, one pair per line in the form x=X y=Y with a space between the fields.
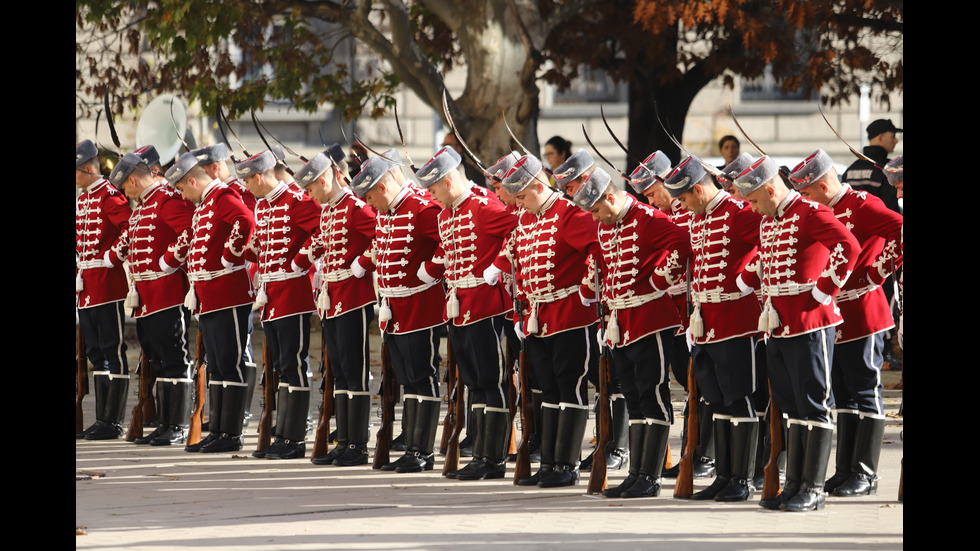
x=86 y=264
x=633 y=301
x=278 y=276
x=714 y=297
x=788 y=289
x=147 y=276
x=467 y=282
x=854 y=294
x=402 y=291
x=338 y=275
x=535 y=298
x=204 y=275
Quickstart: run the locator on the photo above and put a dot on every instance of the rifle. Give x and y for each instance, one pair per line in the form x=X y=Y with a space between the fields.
x=598 y=478
x=81 y=378
x=457 y=404
x=200 y=391
x=269 y=383
x=684 y=488
x=512 y=401
x=388 y=396
x=771 y=487
x=449 y=421
x=145 y=391
x=326 y=406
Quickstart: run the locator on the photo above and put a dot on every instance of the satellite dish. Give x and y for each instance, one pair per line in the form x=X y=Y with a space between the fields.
x=162 y=124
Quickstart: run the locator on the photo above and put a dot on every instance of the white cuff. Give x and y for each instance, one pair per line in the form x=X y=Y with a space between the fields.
x=424 y=275
x=745 y=289
x=492 y=274
x=820 y=296
x=357 y=269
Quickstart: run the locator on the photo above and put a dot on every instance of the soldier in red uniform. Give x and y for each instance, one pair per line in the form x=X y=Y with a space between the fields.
x=643 y=254
x=411 y=310
x=724 y=323
x=345 y=301
x=221 y=294
x=473 y=228
x=860 y=339
x=806 y=257
x=554 y=239
x=285 y=219
x=155 y=244
x=568 y=177
x=101 y=217
x=214 y=160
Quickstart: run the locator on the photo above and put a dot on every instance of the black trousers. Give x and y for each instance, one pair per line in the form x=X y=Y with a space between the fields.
x=102 y=327
x=800 y=374
x=726 y=375
x=225 y=336
x=164 y=336
x=415 y=358
x=561 y=364
x=642 y=370
x=289 y=348
x=348 y=348
x=481 y=360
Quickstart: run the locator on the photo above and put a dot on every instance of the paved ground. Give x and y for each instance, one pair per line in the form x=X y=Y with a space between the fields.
x=137 y=497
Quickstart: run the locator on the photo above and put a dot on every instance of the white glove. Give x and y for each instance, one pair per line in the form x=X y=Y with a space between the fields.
x=166 y=268
x=745 y=289
x=226 y=263
x=492 y=274
x=585 y=301
x=105 y=258
x=517 y=330
x=820 y=296
x=424 y=275
x=689 y=338
x=294 y=267
x=357 y=269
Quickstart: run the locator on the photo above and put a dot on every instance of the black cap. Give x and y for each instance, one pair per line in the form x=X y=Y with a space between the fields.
x=881 y=126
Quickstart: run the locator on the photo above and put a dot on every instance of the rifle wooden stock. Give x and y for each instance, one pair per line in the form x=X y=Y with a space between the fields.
x=269 y=384
x=522 y=467
x=771 y=487
x=512 y=400
x=81 y=378
x=668 y=462
x=449 y=421
x=145 y=392
x=388 y=397
x=457 y=404
x=598 y=477
x=326 y=406
x=684 y=488
x=200 y=391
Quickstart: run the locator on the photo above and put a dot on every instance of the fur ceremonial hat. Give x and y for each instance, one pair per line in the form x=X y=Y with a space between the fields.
x=575 y=166
x=256 y=164
x=278 y=153
x=811 y=169
x=504 y=164
x=184 y=164
x=683 y=177
x=149 y=154
x=593 y=187
x=758 y=173
x=392 y=156
x=643 y=175
x=734 y=168
x=521 y=174
x=124 y=168
x=438 y=167
x=211 y=154
x=85 y=151
x=313 y=169
x=371 y=172
x=893 y=170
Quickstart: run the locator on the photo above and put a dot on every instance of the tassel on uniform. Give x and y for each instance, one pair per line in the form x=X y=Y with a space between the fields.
x=612 y=329
x=132 y=299
x=769 y=319
x=79 y=282
x=384 y=311
x=323 y=300
x=452 y=304
x=697 y=322
x=261 y=299
x=190 y=299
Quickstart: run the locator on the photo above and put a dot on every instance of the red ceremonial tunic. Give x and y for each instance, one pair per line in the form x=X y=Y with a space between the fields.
x=878 y=230
x=472 y=232
x=347 y=229
x=643 y=253
x=804 y=247
x=724 y=241
x=407 y=235
x=285 y=219
x=552 y=248
x=101 y=217
x=222 y=227
x=678 y=291
x=159 y=231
